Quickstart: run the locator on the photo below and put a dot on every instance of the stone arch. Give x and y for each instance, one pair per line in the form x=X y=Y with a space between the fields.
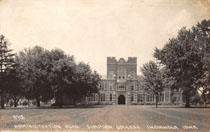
x=121 y=99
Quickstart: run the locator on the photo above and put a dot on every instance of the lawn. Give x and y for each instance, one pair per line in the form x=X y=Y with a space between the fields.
x=107 y=117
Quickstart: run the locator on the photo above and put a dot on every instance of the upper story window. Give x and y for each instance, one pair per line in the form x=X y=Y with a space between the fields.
x=121 y=73
x=111 y=86
x=102 y=86
x=111 y=74
x=132 y=74
x=121 y=86
x=132 y=86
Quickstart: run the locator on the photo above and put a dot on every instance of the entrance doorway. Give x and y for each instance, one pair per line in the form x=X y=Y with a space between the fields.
x=121 y=99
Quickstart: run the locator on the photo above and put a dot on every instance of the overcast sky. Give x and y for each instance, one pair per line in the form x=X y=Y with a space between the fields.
x=91 y=30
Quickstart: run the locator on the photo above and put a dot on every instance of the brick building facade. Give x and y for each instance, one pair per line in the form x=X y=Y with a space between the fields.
x=122 y=85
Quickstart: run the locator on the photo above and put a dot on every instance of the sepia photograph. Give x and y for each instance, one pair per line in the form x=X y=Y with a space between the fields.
x=105 y=65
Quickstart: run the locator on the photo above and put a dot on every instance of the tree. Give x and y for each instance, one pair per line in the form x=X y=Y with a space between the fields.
x=49 y=74
x=6 y=63
x=62 y=77
x=72 y=80
x=34 y=68
x=205 y=89
x=14 y=85
x=86 y=81
x=183 y=59
x=153 y=79
x=202 y=31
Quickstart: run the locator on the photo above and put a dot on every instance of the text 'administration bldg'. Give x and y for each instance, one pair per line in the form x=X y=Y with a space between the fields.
x=122 y=85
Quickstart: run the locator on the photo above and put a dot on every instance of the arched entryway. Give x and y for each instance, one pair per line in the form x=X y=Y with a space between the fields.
x=121 y=99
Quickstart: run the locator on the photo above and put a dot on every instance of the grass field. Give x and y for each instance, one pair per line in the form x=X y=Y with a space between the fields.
x=109 y=117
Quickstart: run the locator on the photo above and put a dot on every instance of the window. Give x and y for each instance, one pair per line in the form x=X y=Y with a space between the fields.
x=131 y=97
x=102 y=86
x=91 y=98
x=138 y=97
x=121 y=86
x=132 y=86
x=161 y=98
x=148 y=97
x=82 y=98
x=111 y=86
x=110 y=97
x=94 y=98
x=121 y=73
x=152 y=98
x=102 y=97
x=132 y=74
x=142 y=97
x=111 y=74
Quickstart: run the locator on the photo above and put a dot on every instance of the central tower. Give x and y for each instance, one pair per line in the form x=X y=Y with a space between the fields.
x=122 y=75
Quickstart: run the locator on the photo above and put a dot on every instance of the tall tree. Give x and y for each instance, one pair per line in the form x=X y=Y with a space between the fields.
x=153 y=79
x=86 y=81
x=183 y=58
x=62 y=76
x=6 y=63
x=202 y=31
x=34 y=68
x=15 y=86
x=73 y=80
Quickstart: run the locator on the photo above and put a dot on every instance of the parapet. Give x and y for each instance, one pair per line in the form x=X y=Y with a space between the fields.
x=121 y=60
x=132 y=60
x=111 y=60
